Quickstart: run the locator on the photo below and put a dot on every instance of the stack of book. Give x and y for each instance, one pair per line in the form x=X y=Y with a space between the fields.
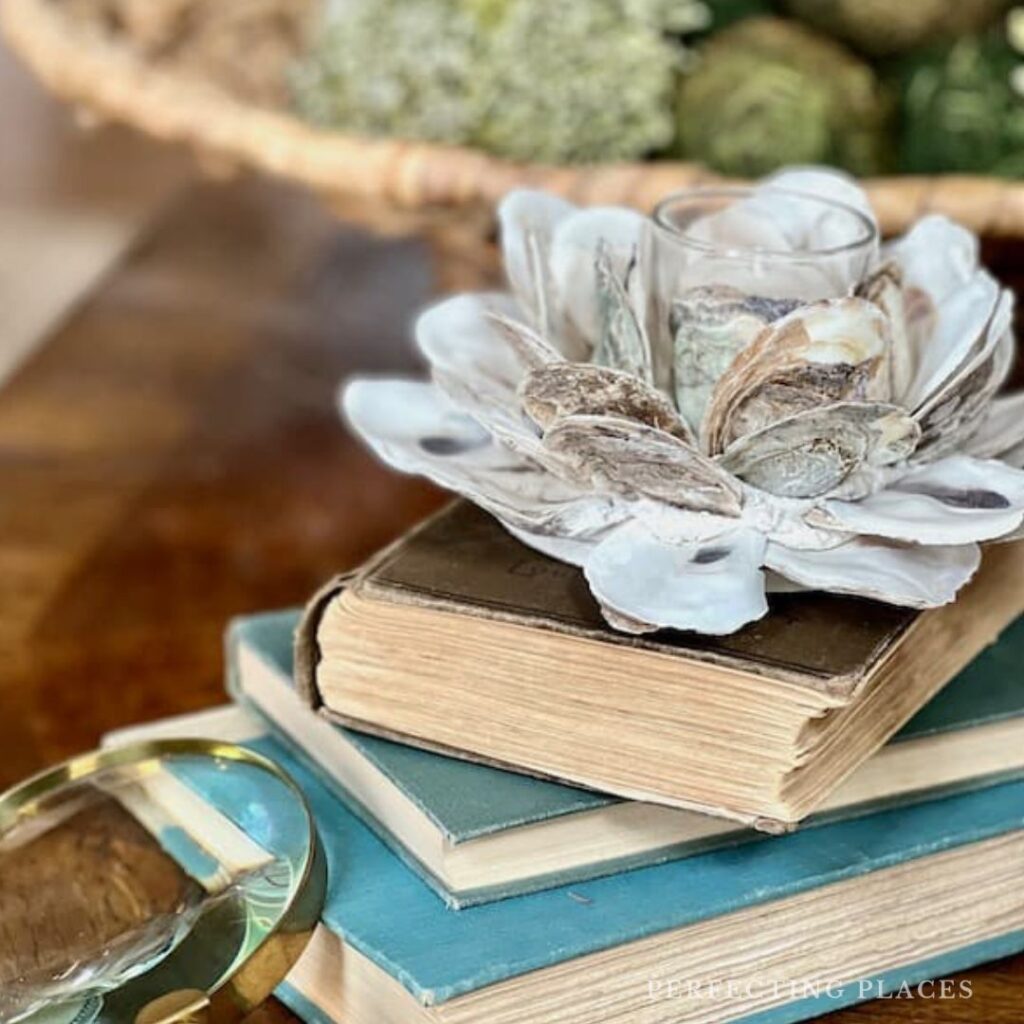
x=529 y=817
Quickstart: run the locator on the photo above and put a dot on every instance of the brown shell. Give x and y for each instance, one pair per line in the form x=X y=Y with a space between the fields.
x=812 y=453
x=885 y=289
x=821 y=354
x=637 y=460
x=710 y=325
x=558 y=390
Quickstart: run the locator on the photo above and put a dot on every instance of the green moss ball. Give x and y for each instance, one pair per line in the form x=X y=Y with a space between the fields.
x=886 y=27
x=960 y=110
x=768 y=92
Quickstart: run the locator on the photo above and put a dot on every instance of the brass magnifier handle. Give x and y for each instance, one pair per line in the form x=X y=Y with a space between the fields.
x=186 y=1006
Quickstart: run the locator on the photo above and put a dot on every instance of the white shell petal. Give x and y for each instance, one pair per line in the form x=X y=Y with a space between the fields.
x=574 y=248
x=961 y=321
x=408 y=421
x=937 y=256
x=713 y=588
x=824 y=182
x=458 y=337
x=952 y=413
x=637 y=461
x=413 y=427
x=680 y=525
x=528 y=220
x=812 y=226
x=478 y=362
x=954 y=501
x=812 y=453
x=562 y=549
x=910 y=575
x=1001 y=430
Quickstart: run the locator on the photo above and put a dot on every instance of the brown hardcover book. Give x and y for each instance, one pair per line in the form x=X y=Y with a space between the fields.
x=460 y=639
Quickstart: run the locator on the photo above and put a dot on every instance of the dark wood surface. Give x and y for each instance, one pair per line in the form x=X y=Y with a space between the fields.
x=123 y=880
x=172 y=457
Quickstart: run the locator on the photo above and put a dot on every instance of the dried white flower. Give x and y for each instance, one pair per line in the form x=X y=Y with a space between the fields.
x=854 y=444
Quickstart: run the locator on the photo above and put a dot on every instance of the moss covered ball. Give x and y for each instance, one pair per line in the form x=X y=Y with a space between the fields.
x=884 y=27
x=392 y=67
x=575 y=83
x=768 y=92
x=960 y=110
x=525 y=79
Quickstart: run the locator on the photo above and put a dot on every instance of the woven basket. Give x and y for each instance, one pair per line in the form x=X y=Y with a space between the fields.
x=393 y=185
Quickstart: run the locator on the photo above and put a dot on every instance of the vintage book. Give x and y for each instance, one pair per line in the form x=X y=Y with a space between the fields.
x=477 y=833
x=460 y=639
x=798 y=924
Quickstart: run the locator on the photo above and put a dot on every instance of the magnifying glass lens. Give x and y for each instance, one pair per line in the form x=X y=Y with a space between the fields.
x=158 y=873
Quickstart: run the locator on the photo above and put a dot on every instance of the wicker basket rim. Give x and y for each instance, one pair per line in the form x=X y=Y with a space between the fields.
x=111 y=82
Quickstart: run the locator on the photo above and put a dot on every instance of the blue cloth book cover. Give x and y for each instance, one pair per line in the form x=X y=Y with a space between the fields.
x=464 y=802
x=385 y=915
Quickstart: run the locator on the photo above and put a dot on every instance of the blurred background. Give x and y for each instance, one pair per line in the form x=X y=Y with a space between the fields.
x=741 y=86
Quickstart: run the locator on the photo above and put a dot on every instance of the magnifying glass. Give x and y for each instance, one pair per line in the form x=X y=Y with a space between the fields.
x=159 y=883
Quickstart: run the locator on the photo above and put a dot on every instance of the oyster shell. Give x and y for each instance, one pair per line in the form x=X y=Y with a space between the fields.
x=1001 y=430
x=937 y=257
x=710 y=326
x=957 y=500
x=622 y=343
x=885 y=289
x=558 y=390
x=531 y=349
x=564 y=549
x=478 y=357
x=811 y=453
x=820 y=354
x=528 y=222
x=576 y=240
x=635 y=460
x=415 y=428
x=915 y=576
x=714 y=587
x=952 y=413
x=961 y=332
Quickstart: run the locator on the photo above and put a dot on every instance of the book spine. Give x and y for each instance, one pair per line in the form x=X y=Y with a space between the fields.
x=307 y=646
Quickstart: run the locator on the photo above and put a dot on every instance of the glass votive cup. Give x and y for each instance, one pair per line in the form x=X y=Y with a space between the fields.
x=769 y=242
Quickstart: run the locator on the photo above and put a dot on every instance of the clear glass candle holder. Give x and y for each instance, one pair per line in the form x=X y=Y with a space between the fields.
x=774 y=243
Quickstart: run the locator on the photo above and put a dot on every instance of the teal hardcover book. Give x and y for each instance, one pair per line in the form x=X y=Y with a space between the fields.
x=478 y=833
x=796 y=923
